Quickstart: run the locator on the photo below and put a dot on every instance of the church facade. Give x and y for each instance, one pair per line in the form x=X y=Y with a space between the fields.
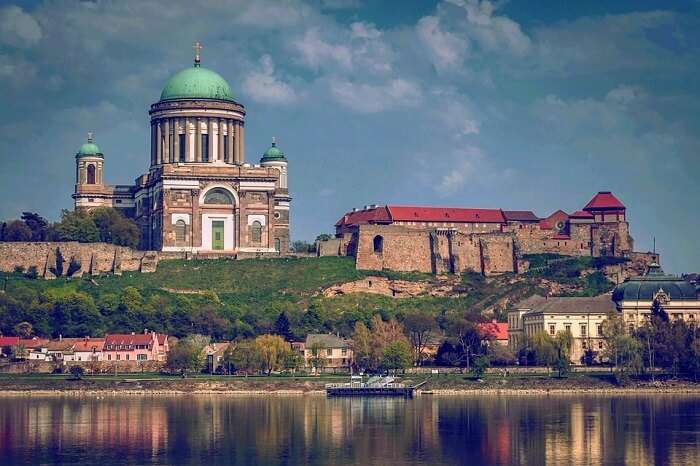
x=199 y=194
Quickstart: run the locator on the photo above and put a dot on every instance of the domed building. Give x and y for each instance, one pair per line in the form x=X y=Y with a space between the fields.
x=635 y=297
x=199 y=194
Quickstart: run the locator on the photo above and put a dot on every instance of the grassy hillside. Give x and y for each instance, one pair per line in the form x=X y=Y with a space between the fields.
x=227 y=298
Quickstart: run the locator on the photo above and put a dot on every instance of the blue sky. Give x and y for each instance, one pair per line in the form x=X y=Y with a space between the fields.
x=517 y=105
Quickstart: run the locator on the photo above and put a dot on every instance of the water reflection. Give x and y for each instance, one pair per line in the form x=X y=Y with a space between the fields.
x=314 y=430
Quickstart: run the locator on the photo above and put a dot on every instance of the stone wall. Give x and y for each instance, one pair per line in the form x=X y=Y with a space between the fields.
x=434 y=251
x=52 y=259
x=330 y=247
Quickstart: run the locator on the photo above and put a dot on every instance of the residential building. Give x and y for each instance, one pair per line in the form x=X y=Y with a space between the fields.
x=6 y=344
x=582 y=317
x=88 y=349
x=335 y=350
x=140 y=347
x=495 y=331
x=214 y=353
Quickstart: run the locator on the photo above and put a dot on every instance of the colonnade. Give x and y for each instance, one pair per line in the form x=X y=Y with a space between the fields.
x=205 y=139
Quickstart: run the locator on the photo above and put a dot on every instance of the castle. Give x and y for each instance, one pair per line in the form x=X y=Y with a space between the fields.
x=487 y=241
x=199 y=194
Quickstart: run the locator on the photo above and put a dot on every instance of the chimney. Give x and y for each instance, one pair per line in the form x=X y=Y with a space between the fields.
x=354 y=209
x=133 y=333
x=145 y=331
x=60 y=337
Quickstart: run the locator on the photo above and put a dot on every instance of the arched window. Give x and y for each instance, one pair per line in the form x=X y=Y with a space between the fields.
x=90 y=174
x=180 y=230
x=378 y=244
x=278 y=245
x=218 y=196
x=256 y=232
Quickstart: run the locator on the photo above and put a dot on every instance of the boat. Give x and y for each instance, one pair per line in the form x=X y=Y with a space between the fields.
x=374 y=386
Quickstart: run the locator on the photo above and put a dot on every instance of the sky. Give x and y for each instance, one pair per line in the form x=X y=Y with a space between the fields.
x=465 y=103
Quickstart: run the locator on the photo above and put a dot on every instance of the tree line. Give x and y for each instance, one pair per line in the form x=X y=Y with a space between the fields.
x=103 y=224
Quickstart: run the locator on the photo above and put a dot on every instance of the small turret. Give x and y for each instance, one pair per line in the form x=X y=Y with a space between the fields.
x=274 y=157
x=89 y=162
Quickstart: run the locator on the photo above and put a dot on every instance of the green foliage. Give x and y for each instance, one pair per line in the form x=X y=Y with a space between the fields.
x=480 y=365
x=38 y=225
x=16 y=230
x=397 y=355
x=77 y=372
x=303 y=247
x=324 y=237
x=115 y=228
x=187 y=355
x=76 y=226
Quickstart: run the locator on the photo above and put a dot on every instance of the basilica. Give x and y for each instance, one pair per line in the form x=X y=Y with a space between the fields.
x=199 y=194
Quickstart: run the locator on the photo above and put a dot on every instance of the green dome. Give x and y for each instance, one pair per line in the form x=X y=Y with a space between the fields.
x=89 y=149
x=196 y=83
x=273 y=154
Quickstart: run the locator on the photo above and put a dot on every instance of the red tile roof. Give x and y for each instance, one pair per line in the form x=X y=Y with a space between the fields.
x=34 y=342
x=445 y=214
x=128 y=339
x=582 y=214
x=89 y=344
x=520 y=216
x=549 y=222
x=8 y=341
x=375 y=215
x=604 y=200
x=495 y=330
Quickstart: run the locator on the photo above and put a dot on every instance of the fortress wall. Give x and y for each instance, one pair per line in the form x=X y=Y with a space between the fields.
x=53 y=259
x=404 y=250
x=497 y=254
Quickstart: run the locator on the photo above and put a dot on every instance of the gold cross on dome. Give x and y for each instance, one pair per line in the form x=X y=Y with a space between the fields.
x=197 y=50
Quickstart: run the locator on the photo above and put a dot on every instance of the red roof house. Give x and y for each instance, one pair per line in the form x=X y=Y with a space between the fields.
x=497 y=331
x=445 y=214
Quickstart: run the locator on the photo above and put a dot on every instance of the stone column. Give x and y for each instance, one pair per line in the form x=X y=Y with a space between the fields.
x=229 y=155
x=176 y=140
x=238 y=143
x=197 y=140
x=153 y=148
x=159 y=143
x=222 y=155
x=188 y=151
x=210 y=138
x=166 y=145
x=242 y=138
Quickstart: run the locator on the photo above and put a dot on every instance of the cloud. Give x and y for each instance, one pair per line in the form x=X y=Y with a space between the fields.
x=17 y=28
x=446 y=49
x=317 y=53
x=362 y=30
x=625 y=94
x=494 y=33
x=373 y=98
x=463 y=167
x=261 y=85
x=340 y=4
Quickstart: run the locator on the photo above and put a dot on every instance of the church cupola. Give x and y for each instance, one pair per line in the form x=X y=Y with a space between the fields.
x=89 y=162
x=274 y=157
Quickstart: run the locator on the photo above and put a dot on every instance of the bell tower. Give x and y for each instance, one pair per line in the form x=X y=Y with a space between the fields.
x=89 y=166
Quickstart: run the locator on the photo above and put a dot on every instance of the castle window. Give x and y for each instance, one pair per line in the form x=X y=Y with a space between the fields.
x=378 y=244
x=218 y=196
x=256 y=232
x=180 y=230
x=205 y=147
x=91 y=174
x=181 y=142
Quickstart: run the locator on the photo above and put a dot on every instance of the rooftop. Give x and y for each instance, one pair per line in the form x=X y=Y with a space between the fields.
x=604 y=200
x=325 y=340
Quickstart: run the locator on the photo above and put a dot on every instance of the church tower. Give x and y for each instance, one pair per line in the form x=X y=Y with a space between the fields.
x=274 y=158
x=89 y=166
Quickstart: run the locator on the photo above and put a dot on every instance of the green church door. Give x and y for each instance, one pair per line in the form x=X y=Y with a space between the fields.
x=217 y=234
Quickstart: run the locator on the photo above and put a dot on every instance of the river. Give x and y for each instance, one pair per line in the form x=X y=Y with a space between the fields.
x=222 y=429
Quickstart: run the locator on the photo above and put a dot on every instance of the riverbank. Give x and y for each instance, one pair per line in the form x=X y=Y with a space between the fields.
x=444 y=385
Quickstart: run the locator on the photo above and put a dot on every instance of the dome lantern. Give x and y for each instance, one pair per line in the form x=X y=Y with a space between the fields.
x=89 y=149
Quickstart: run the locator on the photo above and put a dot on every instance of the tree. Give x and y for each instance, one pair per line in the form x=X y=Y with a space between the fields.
x=76 y=372
x=323 y=237
x=418 y=325
x=75 y=314
x=622 y=349
x=467 y=337
x=292 y=361
x=187 y=355
x=16 y=231
x=19 y=351
x=244 y=356
x=396 y=355
x=281 y=326
x=115 y=228
x=318 y=356
x=272 y=350
x=37 y=224
x=76 y=226
x=543 y=349
x=23 y=329
x=562 y=344
x=302 y=246
x=362 y=347
x=481 y=363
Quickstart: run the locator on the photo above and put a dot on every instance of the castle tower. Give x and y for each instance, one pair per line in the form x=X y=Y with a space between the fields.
x=274 y=158
x=89 y=183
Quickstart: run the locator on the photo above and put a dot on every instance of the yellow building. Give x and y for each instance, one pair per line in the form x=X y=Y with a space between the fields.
x=582 y=317
x=335 y=352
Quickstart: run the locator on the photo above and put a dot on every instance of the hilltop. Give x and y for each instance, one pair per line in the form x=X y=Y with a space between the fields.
x=227 y=298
